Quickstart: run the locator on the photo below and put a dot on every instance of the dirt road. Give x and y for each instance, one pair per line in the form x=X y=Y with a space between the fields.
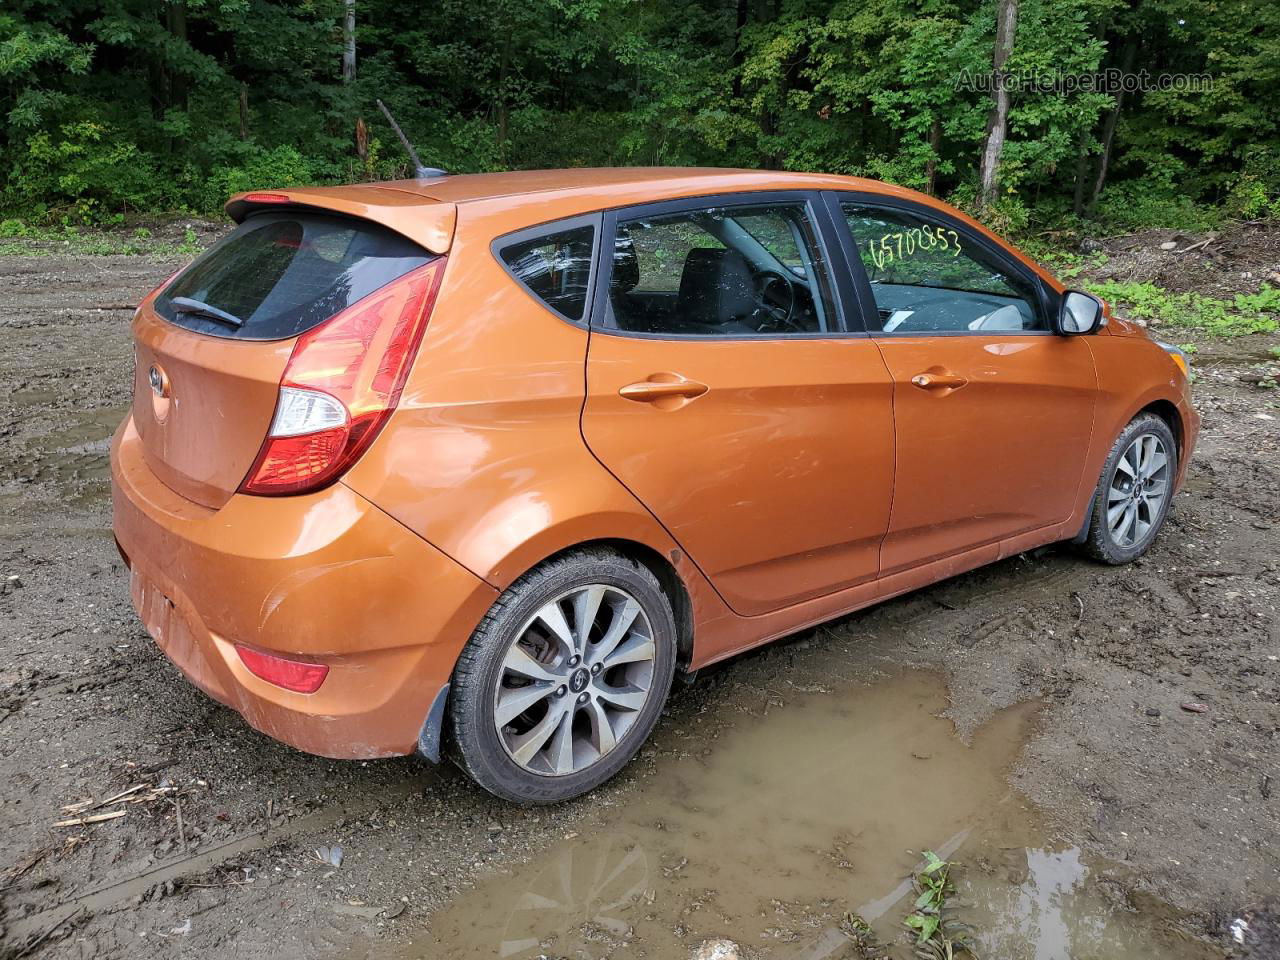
x=216 y=849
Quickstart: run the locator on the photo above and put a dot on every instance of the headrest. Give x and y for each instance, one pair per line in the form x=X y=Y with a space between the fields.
x=716 y=287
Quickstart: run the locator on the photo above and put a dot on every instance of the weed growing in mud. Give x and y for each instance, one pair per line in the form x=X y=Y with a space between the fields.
x=1243 y=314
x=939 y=935
x=864 y=943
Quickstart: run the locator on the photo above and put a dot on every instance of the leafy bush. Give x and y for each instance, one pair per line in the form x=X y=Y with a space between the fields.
x=257 y=169
x=1244 y=314
x=1257 y=192
x=86 y=170
x=1147 y=203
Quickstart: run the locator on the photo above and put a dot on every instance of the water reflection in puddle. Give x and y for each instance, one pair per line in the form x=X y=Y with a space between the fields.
x=790 y=822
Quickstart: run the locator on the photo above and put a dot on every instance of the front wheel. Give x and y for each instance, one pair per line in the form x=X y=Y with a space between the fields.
x=564 y=678
x=1134 y=492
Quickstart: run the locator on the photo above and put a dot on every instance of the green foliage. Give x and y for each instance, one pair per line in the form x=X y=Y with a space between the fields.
x=1154 y=201
x=82 y=168
x=1257 y=192
x=113 y=106
x=939 y=936
x=254 y=168
x=1243 y=314
x=29 y=241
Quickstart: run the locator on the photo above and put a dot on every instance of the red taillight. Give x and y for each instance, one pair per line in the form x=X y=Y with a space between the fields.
x=265 y=198
x=295 y=675
x=343 y=380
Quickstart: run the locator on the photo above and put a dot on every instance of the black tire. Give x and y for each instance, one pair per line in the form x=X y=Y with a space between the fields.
x=1100 y=542
x=475 y=743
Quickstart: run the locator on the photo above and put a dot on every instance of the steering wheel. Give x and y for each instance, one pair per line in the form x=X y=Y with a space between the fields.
x=777 y=295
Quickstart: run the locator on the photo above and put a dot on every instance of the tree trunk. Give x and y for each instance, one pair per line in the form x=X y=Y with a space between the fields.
x=998 y=120
x=931 y=168
x=176 y=17
x=362 y=144
x=502 y=109
x=744 y=10
x=1109 y=129
x=244 y=111
x=349 y=41
x=1082 y=171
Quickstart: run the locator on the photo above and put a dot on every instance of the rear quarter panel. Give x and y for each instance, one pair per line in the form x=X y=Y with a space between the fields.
x=484 y=456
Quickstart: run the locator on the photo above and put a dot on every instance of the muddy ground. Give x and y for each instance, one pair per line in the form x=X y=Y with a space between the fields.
x=1179 y=811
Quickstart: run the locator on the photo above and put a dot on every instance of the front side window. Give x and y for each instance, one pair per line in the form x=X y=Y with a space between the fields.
x=927 y=277
x=720 y=271
x=555 y=267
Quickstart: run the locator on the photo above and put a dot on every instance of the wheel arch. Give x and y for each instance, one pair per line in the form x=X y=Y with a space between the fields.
x=1157 y=405
x=1171 y=415
x=435 y=729
x=669 y=578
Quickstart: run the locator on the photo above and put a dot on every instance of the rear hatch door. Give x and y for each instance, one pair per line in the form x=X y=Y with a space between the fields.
x=213 y=343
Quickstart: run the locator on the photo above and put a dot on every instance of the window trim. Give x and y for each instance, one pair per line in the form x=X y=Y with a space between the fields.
x=866 y=297
x=602 y=320
x=537 y=231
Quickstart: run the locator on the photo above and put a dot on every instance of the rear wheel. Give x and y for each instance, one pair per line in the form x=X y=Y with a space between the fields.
x=1134 y=492
x=564 y=678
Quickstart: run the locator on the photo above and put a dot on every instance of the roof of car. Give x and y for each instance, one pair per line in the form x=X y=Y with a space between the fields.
x=426 y=209
x=462 y=188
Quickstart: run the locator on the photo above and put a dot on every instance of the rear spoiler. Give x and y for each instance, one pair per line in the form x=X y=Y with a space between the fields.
x=425 y=221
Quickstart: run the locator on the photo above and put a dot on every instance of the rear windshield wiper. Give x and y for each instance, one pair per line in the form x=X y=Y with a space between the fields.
x=202 y=309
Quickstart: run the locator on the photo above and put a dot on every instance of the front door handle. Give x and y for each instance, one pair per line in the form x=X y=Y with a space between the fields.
x=647 y=391
x=938 y=381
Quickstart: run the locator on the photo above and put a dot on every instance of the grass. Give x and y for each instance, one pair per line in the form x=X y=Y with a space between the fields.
x=939 y=935
x=1241 y=315
x=19 y=239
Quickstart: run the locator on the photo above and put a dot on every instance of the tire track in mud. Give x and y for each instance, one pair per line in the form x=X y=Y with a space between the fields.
x=28 y=931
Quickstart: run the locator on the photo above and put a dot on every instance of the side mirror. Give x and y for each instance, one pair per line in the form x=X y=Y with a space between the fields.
x=1081 y=313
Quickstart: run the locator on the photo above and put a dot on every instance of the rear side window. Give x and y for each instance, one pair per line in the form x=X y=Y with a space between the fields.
x=554 y=266
x=278 y=275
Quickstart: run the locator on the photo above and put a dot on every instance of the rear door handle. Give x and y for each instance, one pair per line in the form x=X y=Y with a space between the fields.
x=938 y=381
x=647 y=391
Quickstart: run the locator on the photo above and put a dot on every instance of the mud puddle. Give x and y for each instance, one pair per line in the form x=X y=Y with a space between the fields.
x=794 y=820
x=73 y=460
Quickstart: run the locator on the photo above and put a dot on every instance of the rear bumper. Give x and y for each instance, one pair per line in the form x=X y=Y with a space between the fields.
x=326 y=577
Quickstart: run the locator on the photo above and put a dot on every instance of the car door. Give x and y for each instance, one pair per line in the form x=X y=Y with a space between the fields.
x=723 y=390
x=993 y=411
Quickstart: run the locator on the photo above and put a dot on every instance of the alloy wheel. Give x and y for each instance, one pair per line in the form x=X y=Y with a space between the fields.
x=1138 y=489
x=574 y=680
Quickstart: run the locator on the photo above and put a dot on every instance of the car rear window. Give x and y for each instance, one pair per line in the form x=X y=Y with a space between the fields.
x=280 y=274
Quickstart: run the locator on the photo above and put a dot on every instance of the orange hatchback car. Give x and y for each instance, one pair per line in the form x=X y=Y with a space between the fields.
x=473 y=464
